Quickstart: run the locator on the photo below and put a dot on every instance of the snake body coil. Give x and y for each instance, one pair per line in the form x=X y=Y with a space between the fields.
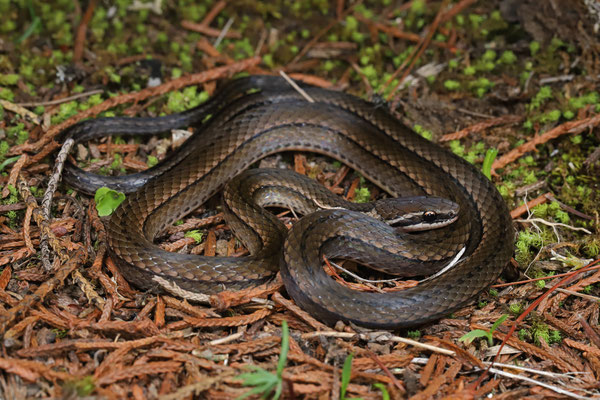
x=257 y=116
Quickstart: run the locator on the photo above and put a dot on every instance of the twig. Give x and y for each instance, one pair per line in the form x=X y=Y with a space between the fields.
x=81 y=31
x=175 y=84
x=536 y=382
x=212 y=14
x=535 y=371
x=226 y=339
x=47 y=199
x=323 y=31
x=504 y=120
x=61 y=101
x=19 y=109
x=197 y=388
x=154 y=6
x=582 y=295
x=40 y=220
x=14 y=174
x=543 y=278
x=415 y=55
x=522 y=209
x=533 y=305
x=563 y=129
x=383 y=336
x=206 y=30
x=223 y=32
x=568 y=209
x=543 y=221
x=296 y=87
x=77 y=257
x=278 y=298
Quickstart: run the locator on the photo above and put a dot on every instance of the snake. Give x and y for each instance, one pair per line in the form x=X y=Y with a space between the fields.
x=466 y=238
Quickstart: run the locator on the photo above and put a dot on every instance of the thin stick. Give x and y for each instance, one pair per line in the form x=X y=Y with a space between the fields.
x=296 y=87
x=60 y=101
x=323 y=31
x=223 y=32
x=543 y=221
x=47 y=199
x=385 y=335
x=175 y=84
x=536 y=382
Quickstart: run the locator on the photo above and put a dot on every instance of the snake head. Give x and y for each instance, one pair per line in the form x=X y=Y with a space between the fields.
x=418 y=213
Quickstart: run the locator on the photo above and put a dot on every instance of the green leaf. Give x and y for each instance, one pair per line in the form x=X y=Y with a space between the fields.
x=490 y=156
x=285 y=345
x=346 y=372
x=474 y=334
x=265 y=382
x=384 y=393
x=498 y=322
x=265 y=389
x=8 y=161
x=107 y=200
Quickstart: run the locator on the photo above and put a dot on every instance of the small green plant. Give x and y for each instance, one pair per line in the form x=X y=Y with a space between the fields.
x=451 y=84
x=384 y=393
x=362 y=195
x=8 y=161
x=265 y=382
x=346 y=372
x=82 y=387
x=107 y=200
x=490 y=156
x=414 y=334
x=194 y=234
x=477 y=333
x=516 y=308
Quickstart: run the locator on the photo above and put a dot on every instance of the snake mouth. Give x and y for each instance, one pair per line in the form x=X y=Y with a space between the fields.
x=416 y=222
x=445 y=221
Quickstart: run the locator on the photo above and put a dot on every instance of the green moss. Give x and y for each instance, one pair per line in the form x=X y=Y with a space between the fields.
x=423 y=132
x=9 y=79
x=592 y=247
x=540 y=211
x=267 y=59
x=524 y=335
x=508 y=57
x=451 y=84
x=470 y=70
x=6 y=94
x=362 y=195
x=489 y=55
x=580 y=102
x=418 y=7
x=457 y=148
x=194 y=234
x=516 y=308
x=351 y=23
x=185 y=99
x=526 y=240
x=83 y=387
x=414 y=334
x=543 y=95
x=534 y=47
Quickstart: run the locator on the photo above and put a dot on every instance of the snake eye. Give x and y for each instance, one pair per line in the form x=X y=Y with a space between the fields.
x=429 y=216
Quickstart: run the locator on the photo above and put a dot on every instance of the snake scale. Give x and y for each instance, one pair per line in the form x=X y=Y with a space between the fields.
x=256 y=116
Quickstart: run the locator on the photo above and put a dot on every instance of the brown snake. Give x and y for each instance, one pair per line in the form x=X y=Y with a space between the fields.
x=260 y=115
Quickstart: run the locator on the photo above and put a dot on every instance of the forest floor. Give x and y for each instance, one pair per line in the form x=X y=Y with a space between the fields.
x=516 y=77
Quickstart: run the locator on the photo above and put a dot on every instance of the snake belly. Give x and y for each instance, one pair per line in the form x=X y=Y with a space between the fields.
x=261 y=115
